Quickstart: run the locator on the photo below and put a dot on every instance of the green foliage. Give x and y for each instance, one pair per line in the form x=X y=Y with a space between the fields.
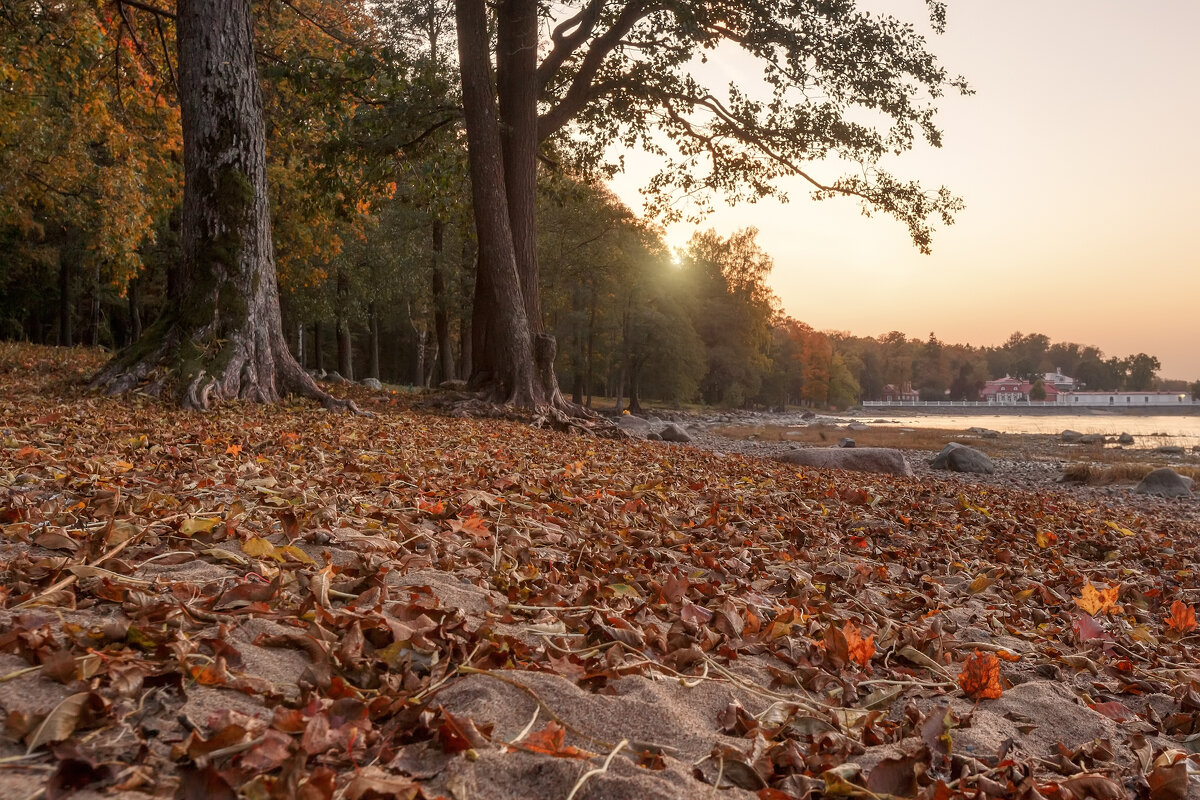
x=627 y=73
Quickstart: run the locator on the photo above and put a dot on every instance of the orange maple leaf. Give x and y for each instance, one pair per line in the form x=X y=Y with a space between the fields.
x=550 y=741
x=1182 y=618
x=1098 y=601
x=980 y=676
x=859 y=649
x=473 y=525
x=233 y=449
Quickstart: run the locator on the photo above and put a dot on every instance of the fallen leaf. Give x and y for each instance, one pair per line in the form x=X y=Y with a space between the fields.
x=980 y=676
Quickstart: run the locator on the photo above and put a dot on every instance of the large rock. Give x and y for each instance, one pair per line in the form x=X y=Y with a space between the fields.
x=372 y=383
x=1165 y=482
x=453 y=385
x=674 y=433
x=857 y=459
x=1125 y=438
x=1092 y=438
x=1070 y=437
x=634 y=425
x=960 y=458
x=1170 y=450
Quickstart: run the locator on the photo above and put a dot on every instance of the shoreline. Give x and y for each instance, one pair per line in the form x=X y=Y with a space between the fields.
x=1025 y=462
x=1027 y=411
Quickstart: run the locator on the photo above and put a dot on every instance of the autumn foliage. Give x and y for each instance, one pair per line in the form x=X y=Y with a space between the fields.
x=278 y=602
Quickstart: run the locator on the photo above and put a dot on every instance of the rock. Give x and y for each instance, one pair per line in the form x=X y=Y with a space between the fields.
x=632 y=424
x=653 y=420
x=858 y=426
x=1092 y=438
x=858 y=459
x=1124 y=438
x=1165 y=482
x=1170 y=450
x=846 y=442
x=1070 y=437
x=318 y=374
x=960 y=458
x=654 y=437
x=372 y=383
x=807 y=415
x=335 y=377
x=986 y=433
x=453 y=385
x=674 y=433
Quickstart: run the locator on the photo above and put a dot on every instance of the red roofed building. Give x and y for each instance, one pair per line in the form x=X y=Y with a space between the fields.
x=904 y=394
x=1015 y=390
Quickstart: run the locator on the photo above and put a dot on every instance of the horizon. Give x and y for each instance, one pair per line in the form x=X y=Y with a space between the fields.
x=1080 y=230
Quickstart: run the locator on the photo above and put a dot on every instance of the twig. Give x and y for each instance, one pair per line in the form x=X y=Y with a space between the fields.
x=598 y=770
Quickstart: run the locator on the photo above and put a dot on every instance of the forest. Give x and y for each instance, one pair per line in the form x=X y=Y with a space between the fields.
x=374 y=234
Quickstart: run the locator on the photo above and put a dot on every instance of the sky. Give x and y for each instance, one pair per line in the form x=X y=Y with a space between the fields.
x=1077 y=159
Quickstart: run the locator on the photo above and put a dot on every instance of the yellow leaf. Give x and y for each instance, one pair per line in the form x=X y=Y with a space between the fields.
x=1045 y=539
x=1098 y=601
x=981 y=583
x=194 y=525
x=1119 y=529
x=258 y=547
x=294 y=553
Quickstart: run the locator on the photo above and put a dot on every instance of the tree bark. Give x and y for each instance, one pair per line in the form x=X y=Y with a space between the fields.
x=441 y=305
x=223 y=338
x=504 y=347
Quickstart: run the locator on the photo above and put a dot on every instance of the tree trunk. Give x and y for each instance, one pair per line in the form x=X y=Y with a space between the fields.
x=504 y=349
x=135 y=312
x=373 y=321
x=345 y=343
x=441 y=306
x=223 y=338
x=65 y=337
x=318 y=355
x=94 y=328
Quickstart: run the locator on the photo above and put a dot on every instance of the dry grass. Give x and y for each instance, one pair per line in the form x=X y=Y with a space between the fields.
x=1095 y=474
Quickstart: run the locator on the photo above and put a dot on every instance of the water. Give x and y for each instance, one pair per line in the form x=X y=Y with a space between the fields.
x=1148 y=431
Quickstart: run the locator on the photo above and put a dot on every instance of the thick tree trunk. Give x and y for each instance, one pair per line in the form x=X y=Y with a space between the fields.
x=223 y=338
x=504 y=346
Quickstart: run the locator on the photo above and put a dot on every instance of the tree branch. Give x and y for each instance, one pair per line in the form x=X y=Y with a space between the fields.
x=565 y=44
x=146 y=7
x=580 y=90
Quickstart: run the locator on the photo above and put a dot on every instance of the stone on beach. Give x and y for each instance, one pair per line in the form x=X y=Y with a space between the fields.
x=1165 y=482
x=961 y=458
x=856 y=459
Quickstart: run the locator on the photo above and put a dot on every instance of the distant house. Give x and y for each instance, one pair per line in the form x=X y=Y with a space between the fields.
x=1014 y=390
x=902 y=394
x=1064 y=383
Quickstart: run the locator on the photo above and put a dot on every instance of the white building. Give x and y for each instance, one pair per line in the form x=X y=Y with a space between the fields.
x=1125 y=399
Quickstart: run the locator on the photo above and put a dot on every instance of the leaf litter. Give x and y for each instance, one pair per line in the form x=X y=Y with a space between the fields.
x=278 y=602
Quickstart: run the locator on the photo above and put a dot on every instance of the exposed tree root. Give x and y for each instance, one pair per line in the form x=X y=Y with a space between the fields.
x=224 y=371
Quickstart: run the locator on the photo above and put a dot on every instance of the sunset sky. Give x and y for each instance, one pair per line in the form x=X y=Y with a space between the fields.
x=1077 y=161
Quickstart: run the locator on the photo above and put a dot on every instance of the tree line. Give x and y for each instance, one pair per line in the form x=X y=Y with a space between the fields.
x=413 y=190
